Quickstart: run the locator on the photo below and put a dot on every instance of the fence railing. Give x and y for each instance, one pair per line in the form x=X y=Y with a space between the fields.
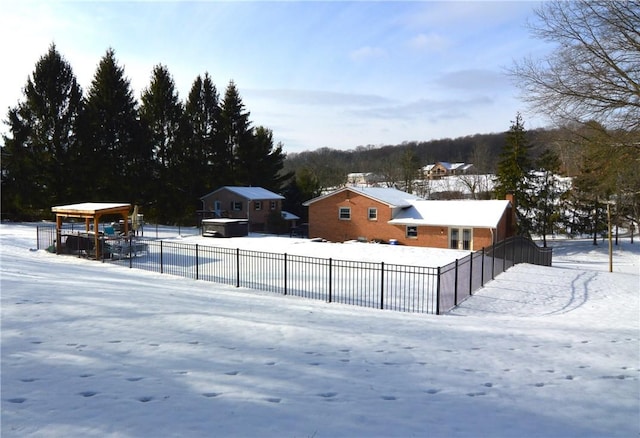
x=388 y=286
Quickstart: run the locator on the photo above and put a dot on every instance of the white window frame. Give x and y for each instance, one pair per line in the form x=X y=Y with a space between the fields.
x=374 y=216
x=461 y=243
x=236 y=205
x=412 y=232
x=341 y=213
x=274 y=205
x=257 y=205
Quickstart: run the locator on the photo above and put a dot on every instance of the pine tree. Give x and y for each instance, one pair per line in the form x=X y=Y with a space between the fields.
x=113 y=158
x=161 y=114
x=36 y=170
x=261 y=164
x=546 y=195
x=513 y=173
x=234 y=137
x=202 y=112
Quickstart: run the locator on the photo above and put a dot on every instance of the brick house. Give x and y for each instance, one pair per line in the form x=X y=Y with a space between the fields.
x=373 y=213
x=254 y=204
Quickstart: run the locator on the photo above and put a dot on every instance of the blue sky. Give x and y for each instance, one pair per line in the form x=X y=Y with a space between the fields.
x=319 y=74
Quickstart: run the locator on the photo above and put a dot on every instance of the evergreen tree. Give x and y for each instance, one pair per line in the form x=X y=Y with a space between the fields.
x=161 y=114
x=300 y=188
x=113 y=159
x=259 y=163
x=513 y=173
x=546 y=195
x=234 y=137
x=202 y=113
x=36 y=158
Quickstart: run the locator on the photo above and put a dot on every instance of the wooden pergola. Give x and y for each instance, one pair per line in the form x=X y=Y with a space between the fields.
x=90 y=212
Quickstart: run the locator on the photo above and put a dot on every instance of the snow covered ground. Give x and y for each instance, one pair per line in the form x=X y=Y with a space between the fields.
x=92 y=349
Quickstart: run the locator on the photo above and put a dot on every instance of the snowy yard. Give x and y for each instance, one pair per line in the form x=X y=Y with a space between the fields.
x=93 y=349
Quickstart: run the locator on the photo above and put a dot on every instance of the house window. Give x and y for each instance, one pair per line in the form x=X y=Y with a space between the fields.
x=373 y=214
x=274 y=205
x=236 y=205
x=344 y=213
x=460 y=238
x=257 y=205
x=217 y=206
x=412 y=231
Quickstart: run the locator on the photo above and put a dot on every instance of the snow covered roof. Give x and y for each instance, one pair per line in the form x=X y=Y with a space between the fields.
x=250 y=193
x=90 y=208
x=289 y=216
x=389 y=196
x=458 y=213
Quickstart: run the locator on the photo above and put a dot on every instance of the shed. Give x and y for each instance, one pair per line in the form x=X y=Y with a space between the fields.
x=90 y=212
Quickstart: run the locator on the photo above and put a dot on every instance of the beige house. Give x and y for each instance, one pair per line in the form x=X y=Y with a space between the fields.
x=444 y=168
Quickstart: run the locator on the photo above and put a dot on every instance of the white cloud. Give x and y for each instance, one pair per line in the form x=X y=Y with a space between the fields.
x=367 y=52
x=430 y=42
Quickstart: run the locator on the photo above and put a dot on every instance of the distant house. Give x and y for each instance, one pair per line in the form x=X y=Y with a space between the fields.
x=364 y=178
x=255 y=204
x=390 y=215
x=444 y=168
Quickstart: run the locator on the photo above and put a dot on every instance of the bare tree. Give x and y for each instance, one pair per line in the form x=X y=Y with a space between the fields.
x=594 y=72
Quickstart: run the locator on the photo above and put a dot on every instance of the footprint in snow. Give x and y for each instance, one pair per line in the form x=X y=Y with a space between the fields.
x=134 y=379
x=476 y=394
x=88 y=393
x=273 y=399
x=388 y=397
x=432 y=391
x=211 y=394
x=232 y=373
x=145 y=399
x=28 y=380
x=327 y=394
x=17 y=400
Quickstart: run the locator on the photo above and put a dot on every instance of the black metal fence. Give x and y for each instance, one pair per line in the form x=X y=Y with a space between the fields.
x=379 y=285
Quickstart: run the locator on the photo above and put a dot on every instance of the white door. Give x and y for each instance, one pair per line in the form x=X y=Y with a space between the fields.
x=461 y=238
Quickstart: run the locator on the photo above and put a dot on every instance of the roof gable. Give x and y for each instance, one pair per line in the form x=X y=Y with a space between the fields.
x=250 y=193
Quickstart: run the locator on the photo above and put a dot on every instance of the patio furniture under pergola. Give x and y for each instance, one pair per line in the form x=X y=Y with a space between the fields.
x=90 y=212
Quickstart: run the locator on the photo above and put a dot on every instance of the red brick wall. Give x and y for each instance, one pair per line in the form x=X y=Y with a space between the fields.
x=257 y=218
x=325 y=223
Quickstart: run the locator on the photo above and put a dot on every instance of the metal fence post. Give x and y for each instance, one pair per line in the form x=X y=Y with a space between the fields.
x=130 y=255
x=470 y=274
x=330 y=282
x=482 y=268
x=455 y=286
x=237 y=267
x=161 y=255
x=197 y=264
x=285 y=273
x=382 y=285
x=438 y=292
